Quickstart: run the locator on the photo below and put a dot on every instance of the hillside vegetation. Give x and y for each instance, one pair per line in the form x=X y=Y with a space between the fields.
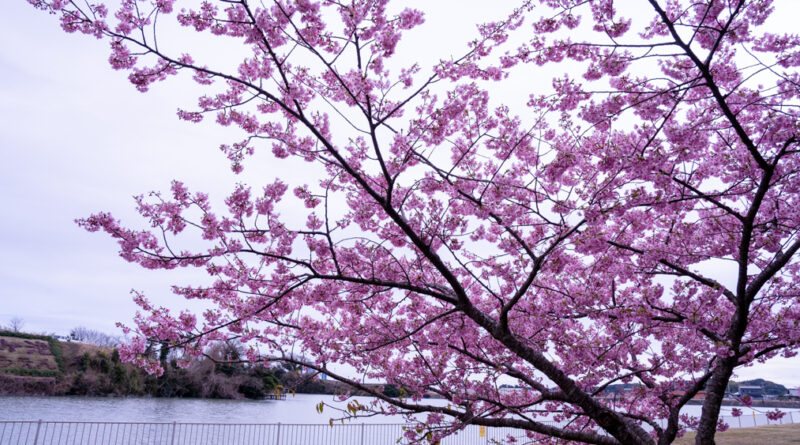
x=41 y=365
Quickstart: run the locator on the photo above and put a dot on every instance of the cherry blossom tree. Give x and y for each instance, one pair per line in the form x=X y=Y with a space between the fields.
x=636 y=222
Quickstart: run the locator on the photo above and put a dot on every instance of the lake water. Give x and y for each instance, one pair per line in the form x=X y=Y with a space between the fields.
x=208 y=422
x=295 y=409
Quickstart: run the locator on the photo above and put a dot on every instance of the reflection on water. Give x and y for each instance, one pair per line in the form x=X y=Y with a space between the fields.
x=297 y=409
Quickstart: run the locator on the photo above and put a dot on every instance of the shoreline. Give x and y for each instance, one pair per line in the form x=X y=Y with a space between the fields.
x=790 y=404
x=794 y=404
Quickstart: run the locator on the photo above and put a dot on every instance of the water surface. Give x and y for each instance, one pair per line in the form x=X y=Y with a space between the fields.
x=297 y=409
x=300 y=408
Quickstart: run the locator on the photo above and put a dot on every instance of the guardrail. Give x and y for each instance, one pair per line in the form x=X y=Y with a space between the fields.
x=760 y=419
x=140 y=433
x=153 y=433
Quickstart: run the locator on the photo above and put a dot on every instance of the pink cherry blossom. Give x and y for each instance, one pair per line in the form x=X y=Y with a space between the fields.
x=450 y=243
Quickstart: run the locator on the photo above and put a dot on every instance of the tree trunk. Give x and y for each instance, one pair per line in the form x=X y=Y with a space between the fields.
x=711 y=407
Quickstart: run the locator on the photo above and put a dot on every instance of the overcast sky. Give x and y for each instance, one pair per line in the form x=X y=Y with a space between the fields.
x=77 y=138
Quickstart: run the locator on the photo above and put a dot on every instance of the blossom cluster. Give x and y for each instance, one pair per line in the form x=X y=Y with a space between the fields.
x=454 y=243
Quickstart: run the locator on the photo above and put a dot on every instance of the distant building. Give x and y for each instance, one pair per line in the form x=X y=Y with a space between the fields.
x=510 y=389
x=700 y=395
x=755 y=392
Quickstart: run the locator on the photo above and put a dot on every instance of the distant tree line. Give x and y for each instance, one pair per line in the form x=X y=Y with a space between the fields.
x=15 y=324
x=770 y=388
x=89 y=366
x=219 y=374
x=91 y=336
x=102 y=373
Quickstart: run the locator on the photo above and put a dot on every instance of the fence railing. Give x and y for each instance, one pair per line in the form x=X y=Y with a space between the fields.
x=759 y=419
x=150 y=433
x=140 y=433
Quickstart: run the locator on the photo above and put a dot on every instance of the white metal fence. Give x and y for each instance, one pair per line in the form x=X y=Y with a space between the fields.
x=149 y=433
x=136 y=433
x=760 y=419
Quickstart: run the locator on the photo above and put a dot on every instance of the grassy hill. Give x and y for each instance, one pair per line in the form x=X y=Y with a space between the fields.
x=29 y=363
x=41 y=365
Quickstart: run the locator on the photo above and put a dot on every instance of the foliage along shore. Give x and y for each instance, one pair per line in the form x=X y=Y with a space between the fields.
x=89 y=370
x=85 y=369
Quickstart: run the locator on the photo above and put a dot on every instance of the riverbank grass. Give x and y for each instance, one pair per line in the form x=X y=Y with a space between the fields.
x=770 y=434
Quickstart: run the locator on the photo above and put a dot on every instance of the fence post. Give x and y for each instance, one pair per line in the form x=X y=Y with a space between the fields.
x=172 y=439
x=36 y=436
x=362 y=434
x=278 y=435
